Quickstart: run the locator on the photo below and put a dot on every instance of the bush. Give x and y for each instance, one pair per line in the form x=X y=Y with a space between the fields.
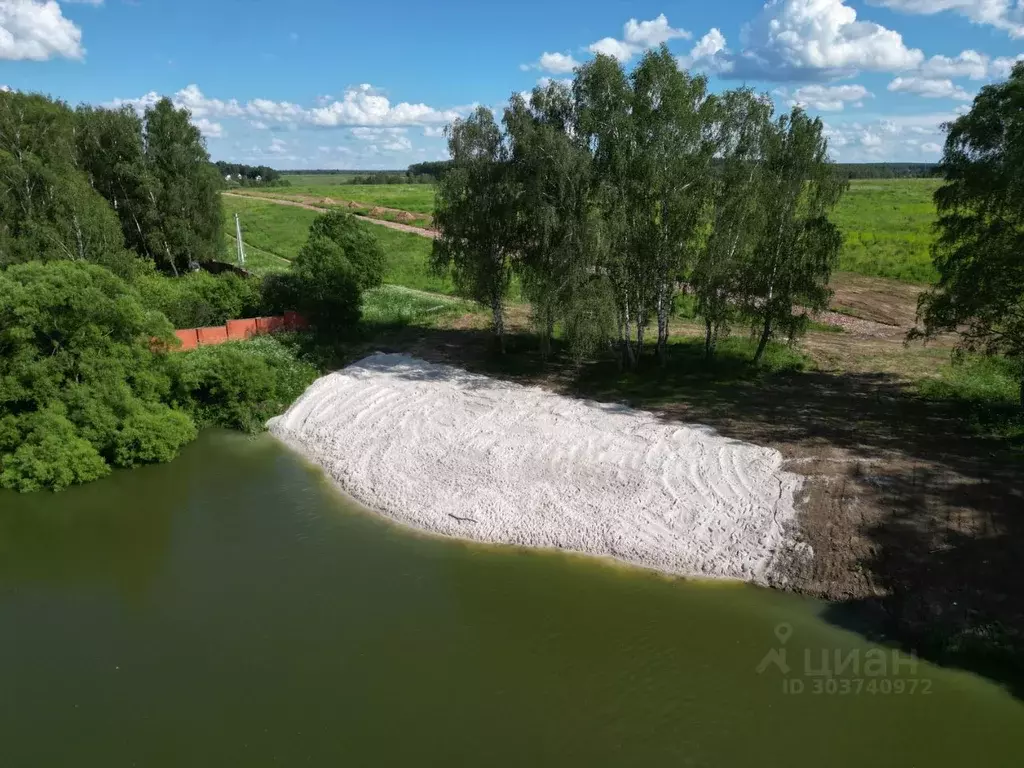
x=360 y=248
x=80 y=388
x=327 y=287
x=200 y=299
x=239 y=385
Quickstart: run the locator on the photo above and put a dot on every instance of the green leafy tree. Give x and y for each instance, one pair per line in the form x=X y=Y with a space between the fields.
x=47 y=208
x=80 y=387
x=980 y=292
x=743 y=122
x=185 y=191
x=360 y=246
x=799 y=246
x=326 y=287
x=551 y=174
x=474 y=212
x=671 y=179
x=111 y=151
x=604 y=107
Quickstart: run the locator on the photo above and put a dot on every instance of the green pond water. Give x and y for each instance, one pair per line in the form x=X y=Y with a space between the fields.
x=231 y=609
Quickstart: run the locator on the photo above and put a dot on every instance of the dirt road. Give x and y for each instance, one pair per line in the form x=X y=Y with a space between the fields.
x=431 y=233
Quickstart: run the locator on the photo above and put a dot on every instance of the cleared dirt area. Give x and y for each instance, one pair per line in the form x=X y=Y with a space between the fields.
x=310 y=205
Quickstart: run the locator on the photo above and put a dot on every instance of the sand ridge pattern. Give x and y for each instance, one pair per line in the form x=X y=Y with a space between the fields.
x=464 y=455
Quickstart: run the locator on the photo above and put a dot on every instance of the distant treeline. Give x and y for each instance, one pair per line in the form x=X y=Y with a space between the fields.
x=393 y=178
x=249 y=174
x=430 y=172
x=887 y=170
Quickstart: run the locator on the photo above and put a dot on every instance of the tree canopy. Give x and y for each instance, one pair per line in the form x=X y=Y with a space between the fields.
x=628 y=188
x=80 y=388
x=980 y=292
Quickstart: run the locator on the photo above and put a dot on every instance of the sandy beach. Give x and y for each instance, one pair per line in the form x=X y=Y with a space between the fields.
x=463 y=455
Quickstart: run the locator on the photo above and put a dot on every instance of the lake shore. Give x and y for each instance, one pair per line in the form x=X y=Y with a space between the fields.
x=463 y=455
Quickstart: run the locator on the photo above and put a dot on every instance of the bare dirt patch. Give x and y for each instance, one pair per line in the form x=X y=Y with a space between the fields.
x=876 y=299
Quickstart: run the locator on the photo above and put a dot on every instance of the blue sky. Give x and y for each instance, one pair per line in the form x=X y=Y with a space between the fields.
x=321 y=84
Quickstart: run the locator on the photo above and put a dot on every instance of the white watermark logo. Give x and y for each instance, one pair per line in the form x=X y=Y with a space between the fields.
x=843 y=672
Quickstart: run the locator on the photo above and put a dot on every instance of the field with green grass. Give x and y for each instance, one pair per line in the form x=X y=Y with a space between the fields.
x=886 y=223
x=273 y=235
x=887 y=228
x=415 y=198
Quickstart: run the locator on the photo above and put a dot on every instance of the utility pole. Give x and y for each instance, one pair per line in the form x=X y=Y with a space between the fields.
x=238 y=239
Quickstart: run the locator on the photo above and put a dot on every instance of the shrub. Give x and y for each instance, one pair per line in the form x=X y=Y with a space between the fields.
x=239 y=385
x=360 y=247
x=200 y=299
x=79 y=382
x=327 y=287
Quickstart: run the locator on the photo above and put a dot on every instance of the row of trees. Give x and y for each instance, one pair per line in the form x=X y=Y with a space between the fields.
x=249 y=174
x=887 y=170
x=607 y=198
x=89 y=183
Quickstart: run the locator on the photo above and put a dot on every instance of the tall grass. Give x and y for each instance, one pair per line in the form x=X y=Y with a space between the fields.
x=887 y=227
x=985 y=389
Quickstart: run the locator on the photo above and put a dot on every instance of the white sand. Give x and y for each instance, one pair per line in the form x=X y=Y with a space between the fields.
x=454 y=453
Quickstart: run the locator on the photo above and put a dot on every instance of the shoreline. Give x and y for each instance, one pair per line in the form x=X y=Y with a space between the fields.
x=455 y=454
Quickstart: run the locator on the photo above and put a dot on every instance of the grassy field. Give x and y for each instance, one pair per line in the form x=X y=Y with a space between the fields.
x=887 y=228
x=886 y=223
x=273 y=235
x=415 y=198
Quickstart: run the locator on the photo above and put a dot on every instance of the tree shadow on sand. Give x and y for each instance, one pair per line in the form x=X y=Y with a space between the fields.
x=917 y=525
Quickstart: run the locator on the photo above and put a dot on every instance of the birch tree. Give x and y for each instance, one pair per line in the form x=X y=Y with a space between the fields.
x=551 y=176
x=793 y=261
x=742 y=121
x=604 y=104
x=474 y=215
x=673 y=122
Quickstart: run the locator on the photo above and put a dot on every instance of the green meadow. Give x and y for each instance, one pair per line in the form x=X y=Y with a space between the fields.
x=887 y=228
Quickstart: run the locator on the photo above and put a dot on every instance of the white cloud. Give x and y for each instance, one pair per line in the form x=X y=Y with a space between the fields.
x=5 y=89
x=372 y=134
x=555 y=63
x=931 y=147
x=277 y=147
x=360 y=106
x=1001 y=67
x=967 y=64
x=433 y=132
x=1007 y=15
x=818 y=39
x=208 y=128
x=400 y=144
x=709 y=54
x=37 y=31
x=930 y=88
x=892 y=138
x=650 y=34
x=638 y=36
x=824 y=97
x=363 y=105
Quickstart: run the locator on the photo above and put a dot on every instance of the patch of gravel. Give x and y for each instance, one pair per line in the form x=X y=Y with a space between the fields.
x=464 y=455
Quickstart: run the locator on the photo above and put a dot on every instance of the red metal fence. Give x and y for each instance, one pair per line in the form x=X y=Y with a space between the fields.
x=239 y=330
